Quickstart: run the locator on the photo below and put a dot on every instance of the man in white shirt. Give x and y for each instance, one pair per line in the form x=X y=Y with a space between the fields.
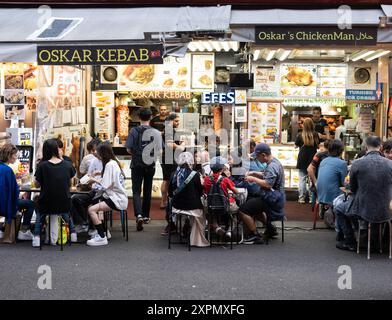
x=91 y=149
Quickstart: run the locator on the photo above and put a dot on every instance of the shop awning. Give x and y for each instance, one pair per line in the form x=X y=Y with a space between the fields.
x=242 y=22
x=17 y=52
x=100 y=24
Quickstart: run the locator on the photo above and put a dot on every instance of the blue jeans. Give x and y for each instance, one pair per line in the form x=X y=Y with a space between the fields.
x=29 y=206
x=302 y=188
x=343 y=224
x=41 y=218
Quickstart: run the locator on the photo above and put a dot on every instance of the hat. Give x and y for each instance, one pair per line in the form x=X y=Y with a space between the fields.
x=261 y=148
x=218 y=163
x=145 y=112
x=186 y=157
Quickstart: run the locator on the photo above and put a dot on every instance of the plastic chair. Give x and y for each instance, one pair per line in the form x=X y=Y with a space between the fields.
x=380 y=238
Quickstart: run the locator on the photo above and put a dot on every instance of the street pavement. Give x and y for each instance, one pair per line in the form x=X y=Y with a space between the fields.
x=305 y=266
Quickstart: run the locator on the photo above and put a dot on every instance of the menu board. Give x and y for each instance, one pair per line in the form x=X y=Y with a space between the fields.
x=287 y=155
x=332 y=81
x=103 y=99
x=264 y=121
x=203 y=71
x=173 y=75
x=266 y=82
x=298 y=80
x=14 y=98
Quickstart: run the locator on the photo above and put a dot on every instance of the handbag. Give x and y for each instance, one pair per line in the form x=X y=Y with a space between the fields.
x=64 y=240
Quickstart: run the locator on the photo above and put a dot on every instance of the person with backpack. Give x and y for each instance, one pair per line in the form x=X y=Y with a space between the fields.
x=220 y=203
x=185 y=192
x=144 y=143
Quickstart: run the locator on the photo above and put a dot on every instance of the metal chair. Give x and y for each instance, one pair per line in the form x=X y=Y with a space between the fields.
x=380 y=237
x=178 y=224
x=108 y=218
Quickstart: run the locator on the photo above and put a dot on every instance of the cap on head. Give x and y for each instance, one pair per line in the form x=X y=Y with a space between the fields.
x=262 y=148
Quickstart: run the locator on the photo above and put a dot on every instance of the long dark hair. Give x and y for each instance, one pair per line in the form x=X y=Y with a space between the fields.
x=105 y=152
x=50 y=149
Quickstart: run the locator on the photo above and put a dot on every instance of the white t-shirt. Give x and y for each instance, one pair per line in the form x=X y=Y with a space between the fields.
x=85 y=164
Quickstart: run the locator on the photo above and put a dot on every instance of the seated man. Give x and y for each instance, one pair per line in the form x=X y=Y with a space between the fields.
x=269 y=205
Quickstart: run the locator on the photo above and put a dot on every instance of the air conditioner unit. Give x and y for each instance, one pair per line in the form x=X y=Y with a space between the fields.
x=109 y=75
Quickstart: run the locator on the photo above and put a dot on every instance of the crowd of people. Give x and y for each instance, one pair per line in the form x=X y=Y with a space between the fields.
x=211 y=190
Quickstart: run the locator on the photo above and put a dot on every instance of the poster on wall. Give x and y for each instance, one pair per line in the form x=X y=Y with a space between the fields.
x=266 y=82
x=203 y=71
x=173 y=74
x=298 y=80
x=264 y=121
x=240 y=114
x=332 y=81
x=12 y=110
x=102 y=99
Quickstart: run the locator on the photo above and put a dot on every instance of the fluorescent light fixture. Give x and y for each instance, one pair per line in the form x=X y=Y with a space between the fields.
x=256 y=55
x=378 y=54
x=284 y=55
x=270 y=55
x=191 y=46
x=363 y=55
x=199 y=46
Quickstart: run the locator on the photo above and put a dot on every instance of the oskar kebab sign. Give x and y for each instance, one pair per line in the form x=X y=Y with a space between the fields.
x=97 y=55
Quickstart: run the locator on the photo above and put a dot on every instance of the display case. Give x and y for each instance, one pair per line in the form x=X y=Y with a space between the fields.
x=288 y=155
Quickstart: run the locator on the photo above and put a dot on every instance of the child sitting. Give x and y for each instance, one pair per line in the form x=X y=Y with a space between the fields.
x=218 y=166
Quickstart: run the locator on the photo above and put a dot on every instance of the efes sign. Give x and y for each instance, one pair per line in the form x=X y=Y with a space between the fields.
x=316 y=36
x=96 y=55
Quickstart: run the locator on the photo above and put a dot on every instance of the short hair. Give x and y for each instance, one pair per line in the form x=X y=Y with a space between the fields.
x=387 y=146
x=145 y=114
x=316 y=109
x=162 y=105
x=93 y=144
x=373 y=142
x=51 y=149
x=335 y=148
x=326 y=143
x=6 y=152
x=172 y=117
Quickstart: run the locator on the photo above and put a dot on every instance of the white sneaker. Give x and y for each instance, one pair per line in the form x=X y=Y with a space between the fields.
x=27 y=235
x=1 y=234
x=108 y=235
x=74 y=237
x=36 y=242
x=97 y=241
x=92 y=233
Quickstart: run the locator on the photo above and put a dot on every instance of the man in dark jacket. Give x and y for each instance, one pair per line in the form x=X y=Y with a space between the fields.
x=371 y=182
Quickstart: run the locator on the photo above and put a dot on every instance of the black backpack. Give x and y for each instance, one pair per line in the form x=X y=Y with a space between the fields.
x=217 y=203
x=137 y=151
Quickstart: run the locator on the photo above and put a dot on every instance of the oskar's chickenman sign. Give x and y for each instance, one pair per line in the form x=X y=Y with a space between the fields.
x=96 y=55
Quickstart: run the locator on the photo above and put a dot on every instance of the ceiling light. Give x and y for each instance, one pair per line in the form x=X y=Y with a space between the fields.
x=256 y=55
x=191 y=46
x=270 y=55
x=234 y=45
x=199 y=46
x=284 y=55
x=378 y=54
x=383 y=22
x=363 y=55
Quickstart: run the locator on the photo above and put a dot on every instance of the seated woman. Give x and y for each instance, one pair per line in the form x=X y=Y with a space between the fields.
x=54 y=176
x=185 y=190
x=9 y=190
x=114 y=196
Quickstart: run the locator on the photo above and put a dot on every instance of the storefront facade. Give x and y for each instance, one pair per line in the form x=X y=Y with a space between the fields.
x=251 y=71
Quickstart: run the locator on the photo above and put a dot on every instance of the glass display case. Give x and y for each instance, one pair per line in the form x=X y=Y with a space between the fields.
x=288 y=155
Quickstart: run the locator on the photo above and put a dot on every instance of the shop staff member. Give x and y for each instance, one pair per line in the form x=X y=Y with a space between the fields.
x=320 y=124
x=158 y=122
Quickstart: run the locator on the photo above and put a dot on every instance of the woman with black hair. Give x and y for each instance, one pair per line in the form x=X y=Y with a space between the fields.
x=114 y=196
x=54 y=176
